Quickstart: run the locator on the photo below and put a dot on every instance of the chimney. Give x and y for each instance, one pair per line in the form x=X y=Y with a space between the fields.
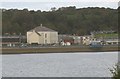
x=41 y=25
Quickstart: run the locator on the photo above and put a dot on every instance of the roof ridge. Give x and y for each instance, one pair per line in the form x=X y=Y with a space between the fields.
x=43 y=28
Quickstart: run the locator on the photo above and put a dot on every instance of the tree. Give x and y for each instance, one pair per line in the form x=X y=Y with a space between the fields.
x=116 y=71
x=53 y=9
x=67 y=20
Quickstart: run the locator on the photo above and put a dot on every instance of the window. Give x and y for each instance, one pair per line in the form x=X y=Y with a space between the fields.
x=45 y=35
x=45 y=41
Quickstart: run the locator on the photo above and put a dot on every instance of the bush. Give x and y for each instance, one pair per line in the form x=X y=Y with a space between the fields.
x=116 y=71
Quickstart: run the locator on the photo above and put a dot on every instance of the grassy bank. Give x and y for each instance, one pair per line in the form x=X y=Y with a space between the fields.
x=56 y=50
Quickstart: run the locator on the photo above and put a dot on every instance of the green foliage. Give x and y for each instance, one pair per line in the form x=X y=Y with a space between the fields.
x=116 y=71
x=65 y=20
x=109 y=35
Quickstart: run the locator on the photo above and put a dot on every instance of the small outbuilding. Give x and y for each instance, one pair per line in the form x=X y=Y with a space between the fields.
x=42 y=35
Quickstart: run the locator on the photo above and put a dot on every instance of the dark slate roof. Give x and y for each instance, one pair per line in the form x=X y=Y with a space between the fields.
x=42 y=28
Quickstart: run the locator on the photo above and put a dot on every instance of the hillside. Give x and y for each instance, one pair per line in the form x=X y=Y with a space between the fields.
x=65 y=20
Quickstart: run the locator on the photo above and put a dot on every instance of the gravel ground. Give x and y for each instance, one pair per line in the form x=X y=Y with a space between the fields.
x=59 y=64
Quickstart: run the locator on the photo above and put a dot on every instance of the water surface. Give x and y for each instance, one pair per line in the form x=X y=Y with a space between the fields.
x=59 y=64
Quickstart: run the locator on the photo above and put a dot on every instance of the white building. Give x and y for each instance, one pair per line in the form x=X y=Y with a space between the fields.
x=86 y=40
x=42 y=35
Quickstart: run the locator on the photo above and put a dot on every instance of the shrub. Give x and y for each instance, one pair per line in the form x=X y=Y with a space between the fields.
x=116 y=71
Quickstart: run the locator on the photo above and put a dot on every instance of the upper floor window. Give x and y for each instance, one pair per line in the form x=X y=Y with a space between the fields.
x=45 y=35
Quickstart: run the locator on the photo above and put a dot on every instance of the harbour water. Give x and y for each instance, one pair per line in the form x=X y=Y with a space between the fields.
x=95 y=64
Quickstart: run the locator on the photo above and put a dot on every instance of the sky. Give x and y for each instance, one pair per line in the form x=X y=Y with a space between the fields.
x=46 y=5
